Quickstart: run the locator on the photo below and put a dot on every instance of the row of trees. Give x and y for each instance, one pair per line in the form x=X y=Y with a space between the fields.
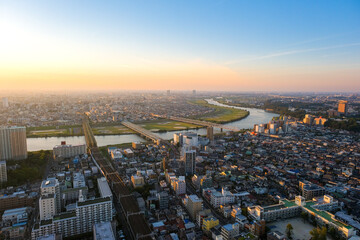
x=349 y=125
x=318 y=233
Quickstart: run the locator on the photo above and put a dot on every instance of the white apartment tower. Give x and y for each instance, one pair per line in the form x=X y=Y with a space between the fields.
x=47 y=206
x=13 y=143
x=51 y=186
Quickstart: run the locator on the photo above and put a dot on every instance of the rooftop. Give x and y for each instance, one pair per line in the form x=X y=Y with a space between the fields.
x=93 y=201
x=104 y=231
x=64 y=215
x=325 y=215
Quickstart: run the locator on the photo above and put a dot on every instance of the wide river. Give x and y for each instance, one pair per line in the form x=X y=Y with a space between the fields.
x=256 y=116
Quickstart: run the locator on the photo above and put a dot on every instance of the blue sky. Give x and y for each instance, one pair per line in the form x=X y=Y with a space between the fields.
x=245 y=37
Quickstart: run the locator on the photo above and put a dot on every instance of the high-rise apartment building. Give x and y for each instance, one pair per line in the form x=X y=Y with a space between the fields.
x=47 y=206
x=3 y=173
x=79 y=221
x=13 y=143
x=343 y=107
x=49 y=187
x=189 y=157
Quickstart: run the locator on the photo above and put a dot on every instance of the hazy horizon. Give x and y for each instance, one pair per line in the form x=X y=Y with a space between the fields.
x=230 y=46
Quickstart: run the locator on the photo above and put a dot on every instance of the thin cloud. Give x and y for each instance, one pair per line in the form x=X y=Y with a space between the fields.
x=321 y=38
x=292 y=52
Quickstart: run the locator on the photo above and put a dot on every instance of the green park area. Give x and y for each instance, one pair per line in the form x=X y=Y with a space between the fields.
x=54 y=131
x=166 y=125
x=220 y=114
x=76 y=130
x=29 y=170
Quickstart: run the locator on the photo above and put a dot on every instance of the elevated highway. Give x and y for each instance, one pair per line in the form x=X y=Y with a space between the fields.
x=199 y=122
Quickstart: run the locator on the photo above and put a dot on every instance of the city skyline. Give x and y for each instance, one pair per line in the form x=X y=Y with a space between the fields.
x=159 y=45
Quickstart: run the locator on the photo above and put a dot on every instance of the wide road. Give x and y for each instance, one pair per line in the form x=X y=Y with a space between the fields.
x=190 y=188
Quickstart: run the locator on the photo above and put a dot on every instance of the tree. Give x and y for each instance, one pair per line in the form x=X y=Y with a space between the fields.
x=333 y=233
x=289 y=229
x=318 y=233
x=304 y=216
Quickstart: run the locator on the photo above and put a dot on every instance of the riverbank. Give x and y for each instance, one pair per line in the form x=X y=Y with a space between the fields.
x=221 y=114
x=104 y=129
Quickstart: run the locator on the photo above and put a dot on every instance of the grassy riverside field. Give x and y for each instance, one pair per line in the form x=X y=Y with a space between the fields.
x=107 y=128
x=76 y=130
x=166 y=125
x=221 y=114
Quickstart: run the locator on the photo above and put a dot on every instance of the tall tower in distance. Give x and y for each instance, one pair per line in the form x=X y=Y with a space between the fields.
x=13 y=143
x=194 y=92
x=5 y=102
x=343 y=107
x=3 y=173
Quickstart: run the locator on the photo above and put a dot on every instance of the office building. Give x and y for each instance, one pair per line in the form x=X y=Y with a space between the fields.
x=68 y=151
x=13 y=143
x=343 y=107
x=103 y=231
x=3 y=173
x=5 y=102
x=189 y=158
x=194 y=205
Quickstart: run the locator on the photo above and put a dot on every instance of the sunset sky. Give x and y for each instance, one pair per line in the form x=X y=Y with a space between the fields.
x=157 y=45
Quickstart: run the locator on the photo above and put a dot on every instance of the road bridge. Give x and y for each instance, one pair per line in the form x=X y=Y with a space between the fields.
x=199 y=122
x=146 y=133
